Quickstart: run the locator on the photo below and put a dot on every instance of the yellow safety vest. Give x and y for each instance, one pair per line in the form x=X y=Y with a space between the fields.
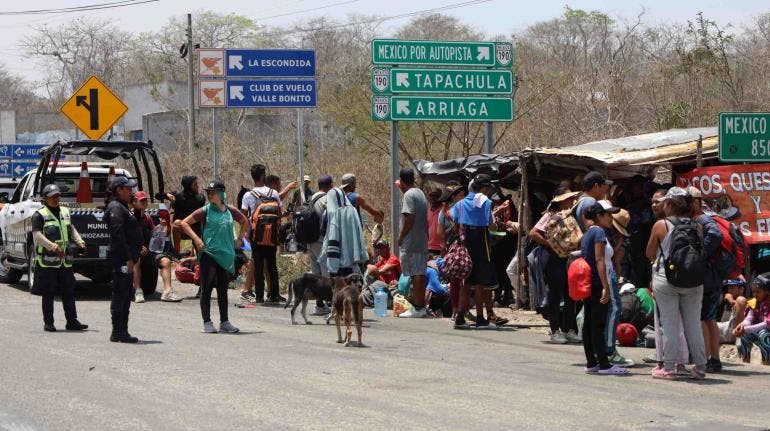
x=56 y=231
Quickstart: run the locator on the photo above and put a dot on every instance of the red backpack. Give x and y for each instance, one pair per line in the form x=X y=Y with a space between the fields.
x=731 y=259
x=579 y=279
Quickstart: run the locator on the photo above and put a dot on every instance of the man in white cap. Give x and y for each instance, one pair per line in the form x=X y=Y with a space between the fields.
x=349 y=186
x=296 y=197
x=53 y=234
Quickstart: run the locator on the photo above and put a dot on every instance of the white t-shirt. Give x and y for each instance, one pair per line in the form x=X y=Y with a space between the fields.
x=249 y=202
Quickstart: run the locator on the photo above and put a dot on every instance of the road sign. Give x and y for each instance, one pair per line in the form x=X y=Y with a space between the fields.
x=94 y=108
x=15 y=168
x=428 y=108
x=270 y=62
x=20 y=151
x=212 y=93
x=211 y=63
x=442 y=53
x=284 y=93
x=457 y=81
x=744 y=136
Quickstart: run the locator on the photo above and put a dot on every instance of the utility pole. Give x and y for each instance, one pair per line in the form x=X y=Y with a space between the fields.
x=190 y=87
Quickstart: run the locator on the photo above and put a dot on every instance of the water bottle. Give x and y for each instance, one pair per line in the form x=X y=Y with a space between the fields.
x=381 y=303
x=158 y=239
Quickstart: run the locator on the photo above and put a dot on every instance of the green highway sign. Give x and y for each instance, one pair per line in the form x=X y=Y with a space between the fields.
x=458 y=81
x=429 y=108
x=442 y=53
x=744 y=136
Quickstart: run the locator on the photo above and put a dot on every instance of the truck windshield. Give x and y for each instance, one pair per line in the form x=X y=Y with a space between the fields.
x=68 y=184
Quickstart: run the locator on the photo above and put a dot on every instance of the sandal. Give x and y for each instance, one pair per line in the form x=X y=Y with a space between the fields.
x=615 y=370
x=591 y=370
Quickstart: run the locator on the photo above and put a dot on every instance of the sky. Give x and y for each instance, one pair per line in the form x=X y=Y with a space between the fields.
x=493 y=17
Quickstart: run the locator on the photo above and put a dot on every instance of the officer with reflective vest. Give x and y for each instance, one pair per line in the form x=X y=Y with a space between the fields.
x=53 y=235
x=125 y=242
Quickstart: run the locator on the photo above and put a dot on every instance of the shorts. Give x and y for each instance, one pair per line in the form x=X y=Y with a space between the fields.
x=483 y=272
x=413 y=263
x=710 y=304
x=726 y=330
x=157 y=257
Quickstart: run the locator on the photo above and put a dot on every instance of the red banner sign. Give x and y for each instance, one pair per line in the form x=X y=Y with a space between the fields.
x=740 y=193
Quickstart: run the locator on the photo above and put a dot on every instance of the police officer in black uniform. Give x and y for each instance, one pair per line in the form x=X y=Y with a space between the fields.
x=124 y=253
x=53 y=234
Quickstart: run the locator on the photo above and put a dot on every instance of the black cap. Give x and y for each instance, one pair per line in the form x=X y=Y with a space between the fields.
x=482 y=180
x=325 y=181
x=381 y=243
x=121 y=182
x=598 y=208
x=215 y=185
x=762 y=281
x=593 y=178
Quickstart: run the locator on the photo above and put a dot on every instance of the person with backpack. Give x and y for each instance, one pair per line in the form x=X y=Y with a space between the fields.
x=348 y=184
x=712 y=282
x=344 y=249
x=561 y=320
x=449 y=231
x=595 y=188
x=216 y=251
x=676 y=252
x=309 y=228
x=597 y=253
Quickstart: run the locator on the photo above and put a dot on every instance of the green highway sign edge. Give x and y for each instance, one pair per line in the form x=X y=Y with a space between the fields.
x=721 y=144
x=391 y=73
x=492 y=61
x=393 y=99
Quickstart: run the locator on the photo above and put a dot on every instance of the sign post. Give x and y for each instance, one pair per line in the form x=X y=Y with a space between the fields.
x=94 y=108
x=744 y=136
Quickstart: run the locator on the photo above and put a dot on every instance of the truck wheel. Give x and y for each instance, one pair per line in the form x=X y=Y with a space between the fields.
x=31 y=255
x=7 y=274
x=149 y=278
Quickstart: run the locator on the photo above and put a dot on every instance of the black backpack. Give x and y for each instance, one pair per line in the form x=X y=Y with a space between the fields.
x=631 y=311
x=685 y=259
x=307 y=223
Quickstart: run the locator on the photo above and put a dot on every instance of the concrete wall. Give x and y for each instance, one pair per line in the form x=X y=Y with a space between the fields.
x=142 y=99
x=7 y=127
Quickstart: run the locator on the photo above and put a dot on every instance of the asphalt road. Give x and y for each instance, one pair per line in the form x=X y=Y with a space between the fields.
x=413 y=374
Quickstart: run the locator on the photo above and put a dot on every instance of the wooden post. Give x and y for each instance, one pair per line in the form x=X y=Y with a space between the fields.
x=523 y=205
x=699 y=152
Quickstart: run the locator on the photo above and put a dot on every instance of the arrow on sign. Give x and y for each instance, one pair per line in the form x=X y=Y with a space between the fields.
x=19 y=152
x=235 y=62
x=19 y=170
x=402 y=80
x=402 y=107
x=236 y=92
x=483 y=53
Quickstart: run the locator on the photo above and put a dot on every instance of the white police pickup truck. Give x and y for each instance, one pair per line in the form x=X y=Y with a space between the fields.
x=17 y=252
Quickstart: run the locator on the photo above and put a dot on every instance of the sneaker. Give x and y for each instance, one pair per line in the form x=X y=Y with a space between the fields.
x=248 y=297
x=170 y=296
x=698 y=373
x=76 y=326
x=277 y=299
x=499 y=321
x=470 y=317
x=661 y=373
x=558 y=338
x=321 y=311
x=618 y=359
x=682 y=371
x=483 y=324
x=651 y=358
x=123 y=338
x=209 y=328
x=572 y=337
x=713 y=365
x=49 y=328
x=227 y=327
x=139 y=296
x=413 y=313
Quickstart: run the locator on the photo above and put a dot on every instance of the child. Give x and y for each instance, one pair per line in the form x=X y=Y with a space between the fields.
x=735 y=299
x=755 y=328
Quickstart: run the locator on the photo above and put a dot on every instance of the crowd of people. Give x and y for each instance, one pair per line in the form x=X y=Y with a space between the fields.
x=657 y=260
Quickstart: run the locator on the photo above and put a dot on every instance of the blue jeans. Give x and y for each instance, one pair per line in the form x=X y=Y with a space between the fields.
x=613 y=315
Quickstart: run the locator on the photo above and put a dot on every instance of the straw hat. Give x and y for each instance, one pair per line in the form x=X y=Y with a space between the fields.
x=565 y=196
x=620 y=220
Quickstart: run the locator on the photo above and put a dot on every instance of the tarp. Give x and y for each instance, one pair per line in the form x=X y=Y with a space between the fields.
x=740 y=193
x=502 y=167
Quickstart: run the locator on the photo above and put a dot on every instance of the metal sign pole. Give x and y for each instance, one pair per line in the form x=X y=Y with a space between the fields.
x=215 y=138
x=394 y=192
x=300 y=155
x=490 y=137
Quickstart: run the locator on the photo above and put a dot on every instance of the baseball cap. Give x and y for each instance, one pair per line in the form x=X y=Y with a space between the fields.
x=601 y=207
x=121 y=182
x=347 y=180
x=435 y=194
x=215 y=185
x=140 y=195
x=51 y=190
x=695 y=193
x=482 y=180
x=306 y=179
x=762 y=281
x=592 y=178
x=676 y=192
x=381 y=243
x=325 y=181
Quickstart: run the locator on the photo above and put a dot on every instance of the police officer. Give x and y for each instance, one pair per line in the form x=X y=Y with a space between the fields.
x=52 y=232
x=124 y=253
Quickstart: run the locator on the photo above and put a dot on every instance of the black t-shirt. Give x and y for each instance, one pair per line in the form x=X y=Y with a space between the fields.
x=37 y=218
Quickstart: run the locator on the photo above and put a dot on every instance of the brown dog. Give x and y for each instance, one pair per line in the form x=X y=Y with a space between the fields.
x=347 y=304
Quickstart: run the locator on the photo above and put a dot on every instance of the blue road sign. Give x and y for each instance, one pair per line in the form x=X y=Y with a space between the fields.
x=14 y=168
x=262 y=93
x=270 y=63
x=20 y=151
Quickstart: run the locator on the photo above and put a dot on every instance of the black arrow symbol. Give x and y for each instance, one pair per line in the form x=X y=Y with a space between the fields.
x=92 y=106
